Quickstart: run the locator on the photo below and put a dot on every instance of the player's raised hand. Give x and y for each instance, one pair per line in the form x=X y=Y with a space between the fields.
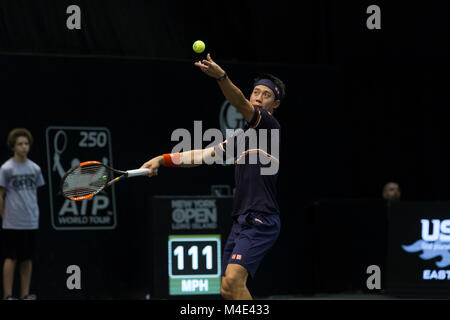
x=210 y=68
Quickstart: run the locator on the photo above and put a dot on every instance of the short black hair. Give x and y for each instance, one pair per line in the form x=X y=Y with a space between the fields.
x=275 y=80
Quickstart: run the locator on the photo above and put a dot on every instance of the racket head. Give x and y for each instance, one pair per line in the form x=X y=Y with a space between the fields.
x=85 y=181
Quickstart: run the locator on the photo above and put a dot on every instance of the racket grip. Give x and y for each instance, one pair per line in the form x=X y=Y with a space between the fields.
x=137 y=172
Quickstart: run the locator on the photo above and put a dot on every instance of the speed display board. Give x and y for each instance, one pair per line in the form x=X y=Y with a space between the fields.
x=194 y=264
x=188 y=237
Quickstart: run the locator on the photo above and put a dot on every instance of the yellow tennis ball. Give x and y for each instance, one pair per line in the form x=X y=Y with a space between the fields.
x=198 y=46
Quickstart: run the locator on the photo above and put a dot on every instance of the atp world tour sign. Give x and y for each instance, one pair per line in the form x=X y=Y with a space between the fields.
x=66 y=148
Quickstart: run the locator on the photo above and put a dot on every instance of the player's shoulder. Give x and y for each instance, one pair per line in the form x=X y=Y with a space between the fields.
x=268 y=117
x=274 y=120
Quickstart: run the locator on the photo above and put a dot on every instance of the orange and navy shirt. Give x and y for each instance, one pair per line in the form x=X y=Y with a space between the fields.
x=255 y=153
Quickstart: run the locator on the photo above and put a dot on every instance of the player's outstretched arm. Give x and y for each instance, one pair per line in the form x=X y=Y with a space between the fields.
x=187 y=159
x=232 y=93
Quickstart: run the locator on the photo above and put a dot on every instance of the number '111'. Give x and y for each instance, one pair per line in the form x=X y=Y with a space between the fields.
x=193 y=252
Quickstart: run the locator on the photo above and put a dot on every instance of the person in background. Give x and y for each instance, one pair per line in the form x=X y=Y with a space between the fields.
x=391 y=191
x=19 y=179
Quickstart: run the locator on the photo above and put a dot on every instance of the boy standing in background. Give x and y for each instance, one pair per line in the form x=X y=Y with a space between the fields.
x=19 y=179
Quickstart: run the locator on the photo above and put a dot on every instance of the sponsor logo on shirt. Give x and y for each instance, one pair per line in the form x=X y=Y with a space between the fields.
x=23 y=181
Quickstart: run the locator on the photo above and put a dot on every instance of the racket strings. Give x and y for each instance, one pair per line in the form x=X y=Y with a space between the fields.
x=85 y=180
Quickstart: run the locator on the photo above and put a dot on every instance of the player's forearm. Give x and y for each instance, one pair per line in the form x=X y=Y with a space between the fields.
x=187 y=159
x=232 y=93
x=192 y=158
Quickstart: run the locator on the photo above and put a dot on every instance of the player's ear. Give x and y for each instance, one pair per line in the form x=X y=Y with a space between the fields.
x=276 y=104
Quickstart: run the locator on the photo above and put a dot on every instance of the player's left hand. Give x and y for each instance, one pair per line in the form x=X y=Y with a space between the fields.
x=210 y=68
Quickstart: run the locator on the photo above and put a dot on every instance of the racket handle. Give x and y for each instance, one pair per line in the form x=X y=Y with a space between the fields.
x=137 y=172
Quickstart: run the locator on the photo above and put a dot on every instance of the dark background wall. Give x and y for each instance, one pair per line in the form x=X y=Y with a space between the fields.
x=392 y=81
x=363 y=107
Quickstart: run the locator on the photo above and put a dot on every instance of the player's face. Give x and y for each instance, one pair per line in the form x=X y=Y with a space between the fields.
x=263 y=97
x=22 y=146
x=392 y=192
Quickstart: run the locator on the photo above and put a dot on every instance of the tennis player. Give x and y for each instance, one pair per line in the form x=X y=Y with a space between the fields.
x=256 y=220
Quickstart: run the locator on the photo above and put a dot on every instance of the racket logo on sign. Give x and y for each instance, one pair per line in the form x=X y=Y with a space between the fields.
x=67 y=147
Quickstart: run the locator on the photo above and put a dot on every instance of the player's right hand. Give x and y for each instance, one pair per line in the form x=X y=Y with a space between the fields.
x=153 y=165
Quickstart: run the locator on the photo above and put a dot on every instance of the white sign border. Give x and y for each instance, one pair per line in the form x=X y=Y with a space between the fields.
x=50 y=177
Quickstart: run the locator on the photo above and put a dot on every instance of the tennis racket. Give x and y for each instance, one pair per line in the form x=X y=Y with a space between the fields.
x=91 y=177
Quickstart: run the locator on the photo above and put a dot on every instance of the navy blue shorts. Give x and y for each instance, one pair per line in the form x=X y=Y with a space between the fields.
x=251 y=237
